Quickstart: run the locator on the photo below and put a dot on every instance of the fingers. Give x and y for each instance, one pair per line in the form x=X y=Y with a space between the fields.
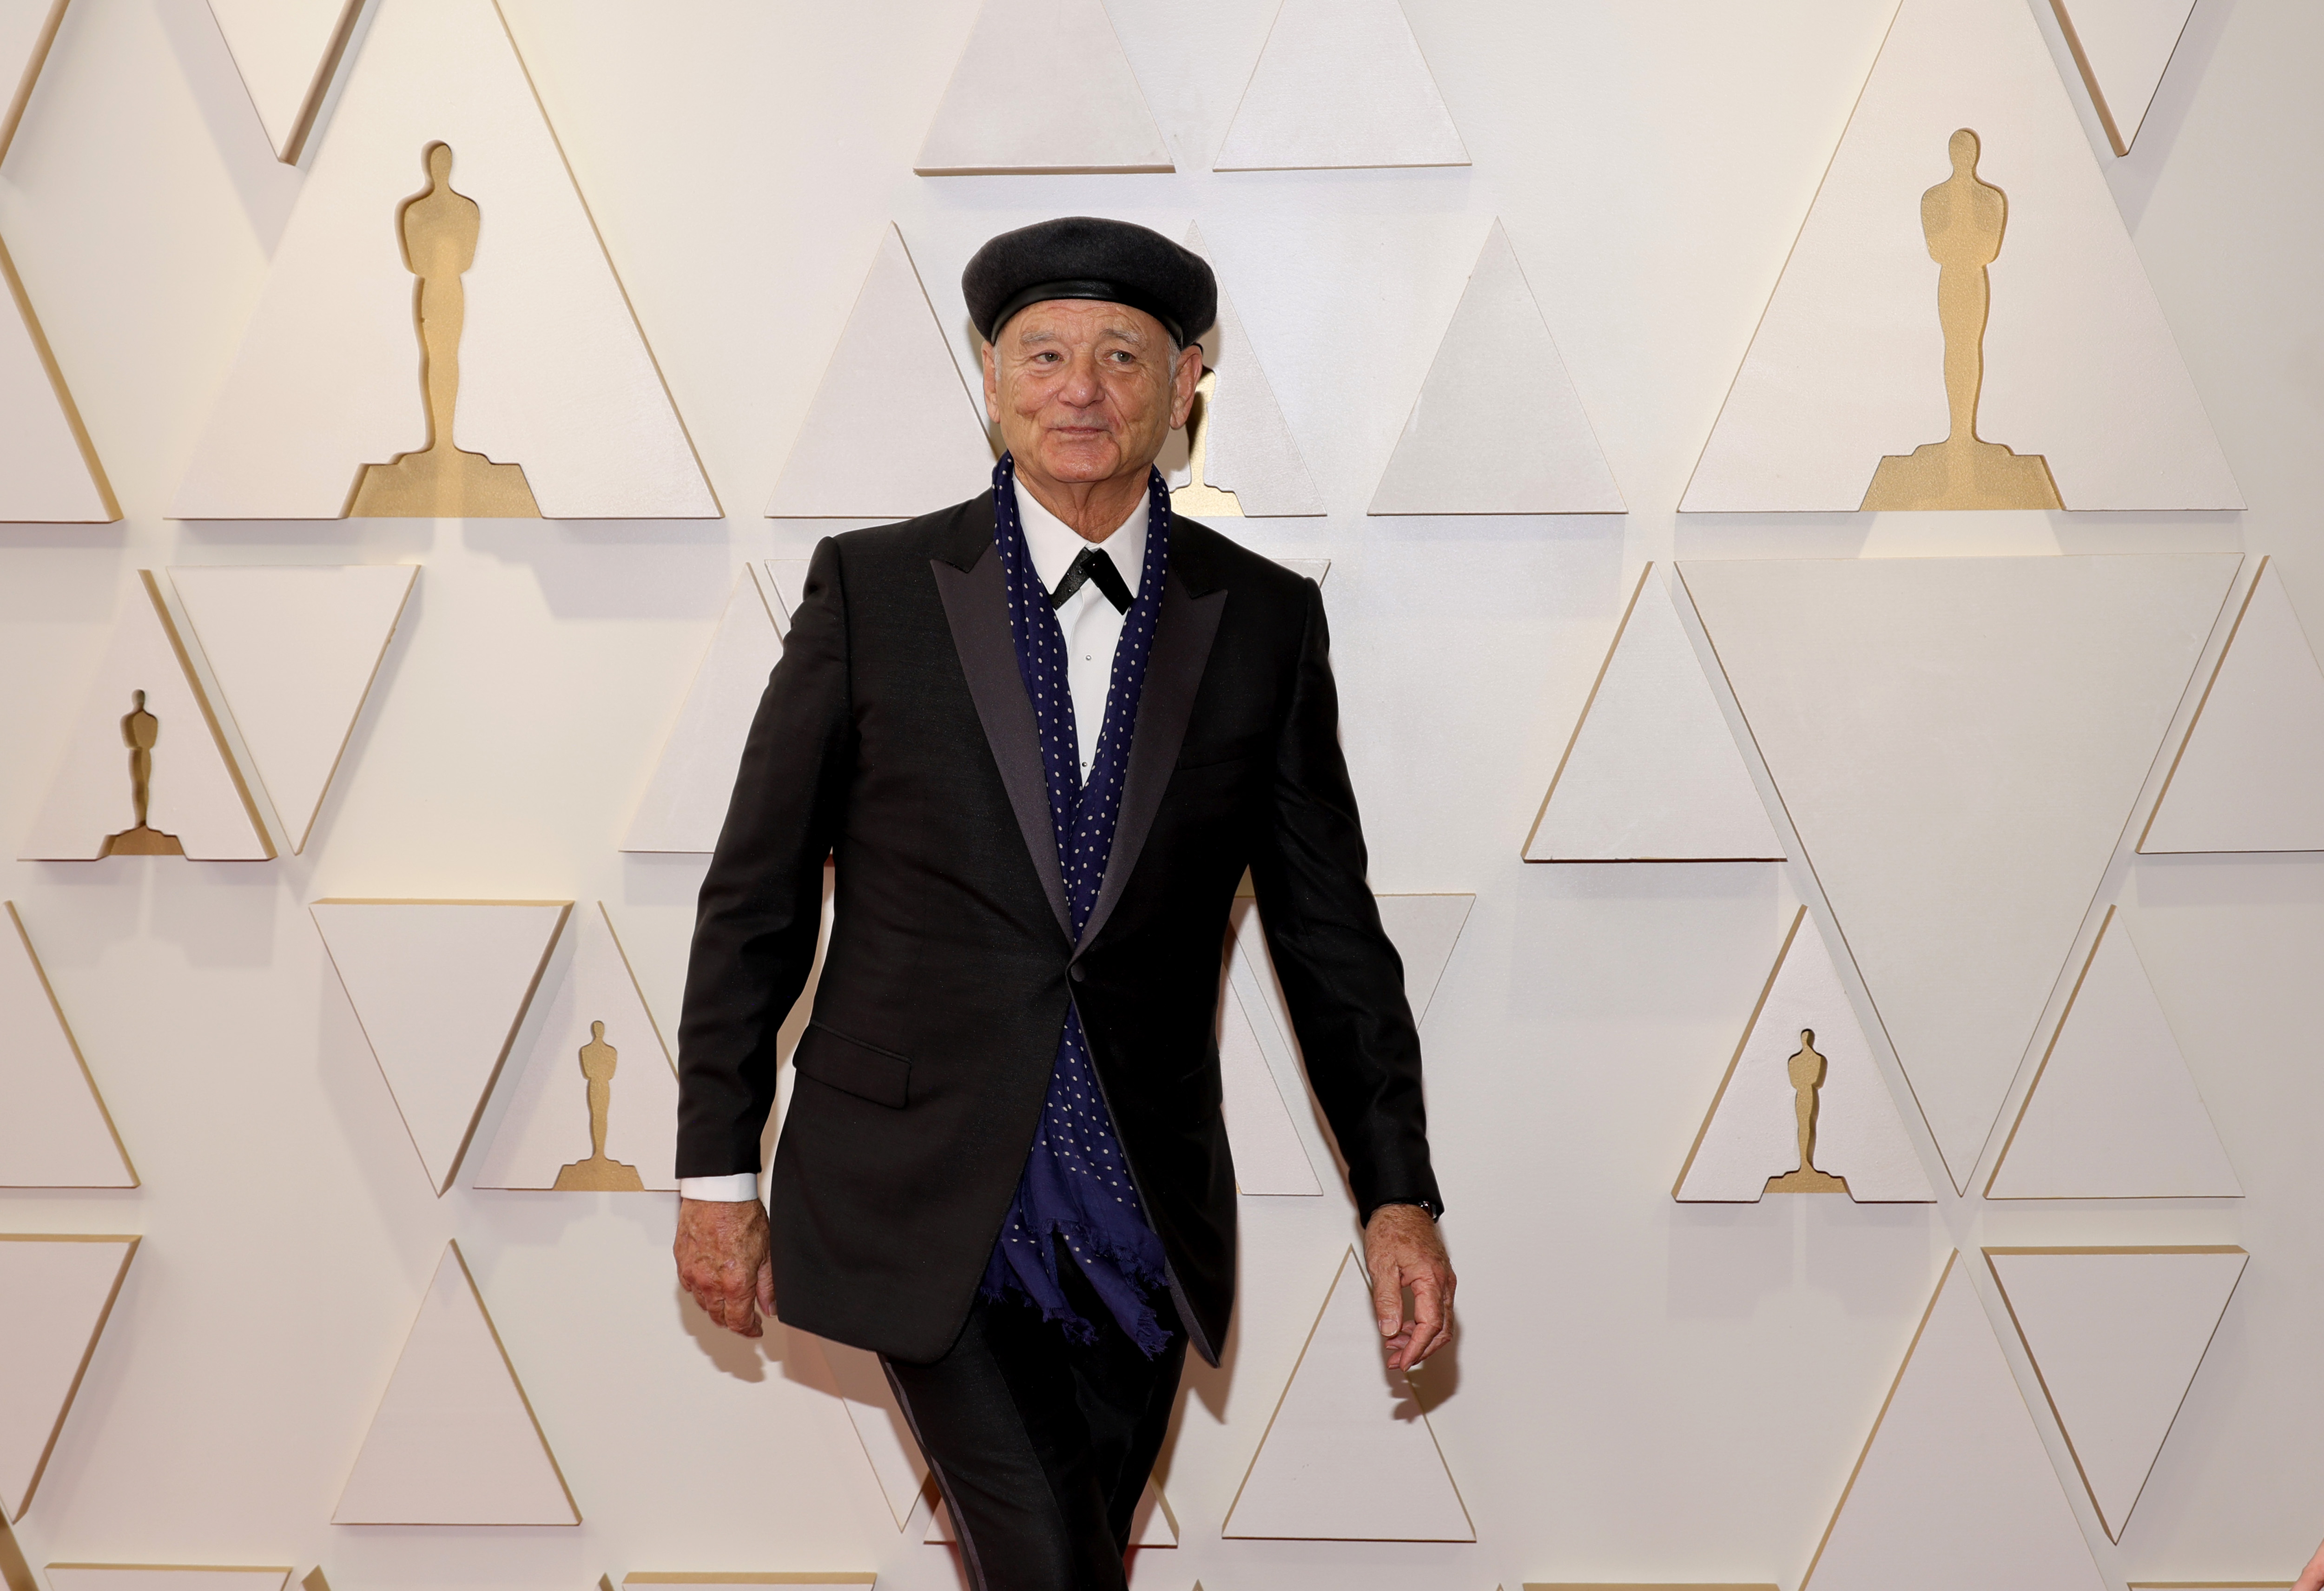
x=1427 y=1318
x=1388 y=1299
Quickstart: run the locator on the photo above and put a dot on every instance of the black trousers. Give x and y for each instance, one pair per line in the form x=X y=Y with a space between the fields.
x=1041 y=1445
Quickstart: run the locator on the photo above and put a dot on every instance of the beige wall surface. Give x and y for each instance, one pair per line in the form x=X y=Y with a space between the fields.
x=1643 y=1391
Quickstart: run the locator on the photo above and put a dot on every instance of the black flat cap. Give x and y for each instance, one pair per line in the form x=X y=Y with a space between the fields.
x=1090 y=257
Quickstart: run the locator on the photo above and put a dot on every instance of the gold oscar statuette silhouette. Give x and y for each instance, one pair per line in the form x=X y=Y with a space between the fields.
x=1197 y=496
x=1963 y=219
x=141 y=731
x=598 y=1175
x=439 y=228
x=1807 y=1070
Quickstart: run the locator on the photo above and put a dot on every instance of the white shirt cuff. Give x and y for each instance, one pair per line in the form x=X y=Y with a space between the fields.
x=730 y=1189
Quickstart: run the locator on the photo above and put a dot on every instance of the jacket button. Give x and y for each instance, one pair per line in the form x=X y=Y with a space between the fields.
x=1076 y=972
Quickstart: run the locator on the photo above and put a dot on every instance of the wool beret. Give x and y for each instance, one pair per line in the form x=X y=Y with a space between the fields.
x=1090 y=257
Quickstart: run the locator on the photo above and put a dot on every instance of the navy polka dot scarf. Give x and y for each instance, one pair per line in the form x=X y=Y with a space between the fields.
x=1076 y=1183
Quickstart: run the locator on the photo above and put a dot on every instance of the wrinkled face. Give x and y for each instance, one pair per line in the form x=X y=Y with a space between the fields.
x=1087 y=390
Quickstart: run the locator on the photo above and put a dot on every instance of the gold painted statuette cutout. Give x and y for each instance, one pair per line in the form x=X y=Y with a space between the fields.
x=1963 y=219
x=141 y=731
x=1807 y=1070
x=597 y=1174
x=439 y=228
x=1197 y=496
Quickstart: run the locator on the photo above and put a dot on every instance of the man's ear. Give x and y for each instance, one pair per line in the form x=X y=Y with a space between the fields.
x=992 y=382
x=1182 y=382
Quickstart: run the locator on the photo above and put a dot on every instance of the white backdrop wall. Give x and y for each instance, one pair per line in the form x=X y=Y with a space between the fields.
x=1643 y=1391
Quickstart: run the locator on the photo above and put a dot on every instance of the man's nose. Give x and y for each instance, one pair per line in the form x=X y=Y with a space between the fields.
x=1081 y=387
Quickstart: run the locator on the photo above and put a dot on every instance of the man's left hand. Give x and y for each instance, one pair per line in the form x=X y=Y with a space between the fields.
x=1402 y=1248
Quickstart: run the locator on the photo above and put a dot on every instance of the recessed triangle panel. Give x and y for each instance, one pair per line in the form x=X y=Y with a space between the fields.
x=287 y=52
x=27 y=29
x=1803 y=1051
x=1651 y=773
x=2113 y=1113
x=1424 y=928
x=1340 y=83
x=54 y=1129
x=146 y=729
x=892 y=375
x=2115 y=1336
x=1268 y=1157
x=1958 y=743
x=55 y=1295
x=1953 y=1488
x=859 y=1383
x=1498 y=427
x=1250 y=465
x=454 y=1440
x=2123 y=47
x=2250 y=775
x=1848 y=367
x=1088 y=114
x=785 y=580
x=595 y=1038
x=48 y=470
x=165 y=1576
x=1153 y=1525
x=441 y=988
x=1348 y=1455
x=554 y=374
x=295 y=650
x=684 y=802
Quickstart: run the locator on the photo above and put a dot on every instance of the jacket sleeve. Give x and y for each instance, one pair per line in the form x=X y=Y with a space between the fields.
x=1340 y=973
x=761 y=909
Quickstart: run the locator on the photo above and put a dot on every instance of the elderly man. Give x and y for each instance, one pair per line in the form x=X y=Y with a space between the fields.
x=1042 y=734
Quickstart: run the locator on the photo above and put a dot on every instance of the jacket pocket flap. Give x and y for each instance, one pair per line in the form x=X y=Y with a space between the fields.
x=862 y=1069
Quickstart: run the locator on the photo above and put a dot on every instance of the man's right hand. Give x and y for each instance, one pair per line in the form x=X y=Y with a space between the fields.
x=722 y=1262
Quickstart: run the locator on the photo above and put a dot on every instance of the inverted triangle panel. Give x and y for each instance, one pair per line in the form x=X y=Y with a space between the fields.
x=2113 y=1113
x=454 y=1440
x=27 y=29
x=1251 y=464
x=295 y=651
x=2115 y=1336
x=287 y=52
x=891 y=376
x=1340 y=83
x=48 y=469
x=555 y=376
x=2250 y=775
x=1958 y=743
x=54 y=1129
x=55 y=1295
x=167 y=1576
x=879 y=1421
x=1847 y=366
x=1751 y=1132
x=1498 y=427
x=1652 y=772
x=1268 y=1157
x=692 y=780
x=2122 y=46
x=441 y=988
x=1424 y=928
x=1088 y=114
x=1953 y=1488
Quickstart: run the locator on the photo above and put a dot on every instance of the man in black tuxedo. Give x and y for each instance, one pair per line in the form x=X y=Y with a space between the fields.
x=1041 y=734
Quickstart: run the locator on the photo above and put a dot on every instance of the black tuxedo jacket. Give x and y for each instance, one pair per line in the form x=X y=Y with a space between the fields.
x=895 y=738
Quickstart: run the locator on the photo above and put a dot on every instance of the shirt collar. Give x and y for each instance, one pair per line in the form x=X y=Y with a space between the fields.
x=1054 y=545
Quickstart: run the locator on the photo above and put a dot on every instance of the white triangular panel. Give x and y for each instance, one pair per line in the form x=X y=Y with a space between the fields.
x=2123 y=47
x=1847 y=365
x=1751 y=1132
x=547 y=1126
x=1153 y=1525
x=287 y=52
x=1953 y=1489
x=454 y=1440
x=786 y=581
x=1958 y=743
x=197 y=793
x=158 y=1577
x=2113 y=1113
x=1315 y=569
x=1349 y=1455
x=1424 y=929
x=886 y=1435
x=555 y=374
x=1651 y=772
x=441 y=988
x=295 y=651
x=54 y=1129
x=2115 y=1336
x=1498 y=427
x=48 y=470
x=1088 y=114
x=1268 y=1157
x=2250 y=775
x=685 y=796
x=1340 y=83
x=55 y=1293
x=27 y=28
x=1249 y=448
x=890 y=375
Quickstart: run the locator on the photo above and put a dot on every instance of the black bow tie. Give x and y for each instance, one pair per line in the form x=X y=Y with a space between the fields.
x=1094 y=566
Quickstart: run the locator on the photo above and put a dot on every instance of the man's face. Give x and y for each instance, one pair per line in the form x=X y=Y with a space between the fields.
x=1087 y=390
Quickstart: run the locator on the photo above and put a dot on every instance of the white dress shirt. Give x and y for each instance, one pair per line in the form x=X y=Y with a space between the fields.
x=1092 y=628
